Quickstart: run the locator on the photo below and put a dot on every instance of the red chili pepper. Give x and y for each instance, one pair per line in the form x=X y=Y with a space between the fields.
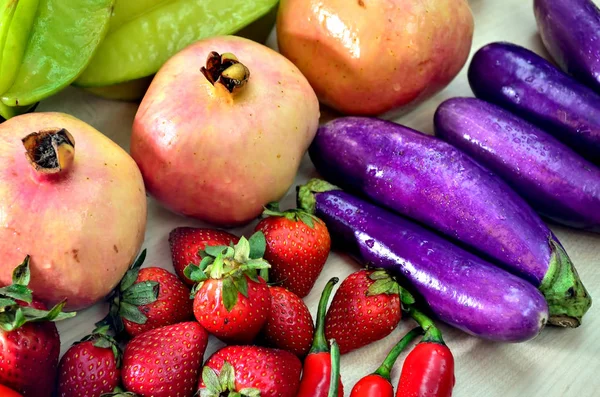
x=6 y=392
x=317 y=364
x=379 y=383
x=428 y=370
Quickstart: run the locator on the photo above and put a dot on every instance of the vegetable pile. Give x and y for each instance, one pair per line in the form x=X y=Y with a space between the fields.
x=447 y=228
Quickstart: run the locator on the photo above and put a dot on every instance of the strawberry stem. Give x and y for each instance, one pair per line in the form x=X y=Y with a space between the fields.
x=319 y=344
x=386 y=367
x=432 y=333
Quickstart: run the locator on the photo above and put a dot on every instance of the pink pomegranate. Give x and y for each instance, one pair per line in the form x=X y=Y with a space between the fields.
x=222 y=129
x=71 y=199
x=368 y=57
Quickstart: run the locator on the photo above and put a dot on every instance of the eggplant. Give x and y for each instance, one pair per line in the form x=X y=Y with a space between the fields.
x=570 y=31
x=432 y=182
x=528 y=85
x=556 y=181
x=461 y=289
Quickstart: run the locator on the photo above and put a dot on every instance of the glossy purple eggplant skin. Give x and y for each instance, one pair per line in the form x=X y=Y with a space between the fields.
x=570 y=31
x=460 y=288
x=556 y=181
x=428 y=180
x=528 y=85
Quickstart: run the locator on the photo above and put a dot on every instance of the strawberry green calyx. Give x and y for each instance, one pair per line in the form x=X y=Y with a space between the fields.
x=129 y=296
x=100 y=338
x=119 y=392
x=319 y=344
x=334 y=378
x=223 y=384
x=296 y=215
x=234 y=265
x=385 y=284
x=15 y=310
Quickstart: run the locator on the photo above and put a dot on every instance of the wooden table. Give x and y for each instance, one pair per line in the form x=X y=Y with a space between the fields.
x=558 y=363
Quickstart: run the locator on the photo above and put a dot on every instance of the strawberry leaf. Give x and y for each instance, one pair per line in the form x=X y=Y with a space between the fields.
x=406 y=297
x=214 y=250
x=142 y=293
x=242 y=251
x=4 y=302
x=306 y=219
x=227 y=377
x=241 y=284
x=258 y=245
x=211 y=381
x=264 y=274
x=54 y=314
x=205 y=262
x=230 y=294
x=21 y=274
x=383 y=286
x=132 y=274
x=132 y=313
x=379 y=275
x=102 y=343
x=249 y=392
x=17 y=291
x=255 y=264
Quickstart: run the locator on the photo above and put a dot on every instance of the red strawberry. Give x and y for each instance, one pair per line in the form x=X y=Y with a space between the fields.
x=251 y=371
x=187 y=243
x=29 y=342
x=148 y=298
x=90 y=367
x=297 y=248
x=231 y=301
x=165 y=362
x=365 y=308
x=289 y=325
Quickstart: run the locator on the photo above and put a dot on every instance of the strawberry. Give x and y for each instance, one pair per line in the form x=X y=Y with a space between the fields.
x=289 y=325
x=29 y=341
x=6 y=392
x=188 y=242
x=231 y=301
x=90 y=367
x=250 y=371
x=298 y=244
x=165 y=362
x=365 y=308
x=148 y=298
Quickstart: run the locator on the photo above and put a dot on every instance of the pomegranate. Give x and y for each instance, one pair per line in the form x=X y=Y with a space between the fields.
x=71 y=199
x=222 y=129
x=370 y=57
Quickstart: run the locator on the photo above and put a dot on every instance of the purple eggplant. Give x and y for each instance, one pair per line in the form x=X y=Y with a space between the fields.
x=556 y=181
x=460 y=288
x=570 y=31
x=429 y=180
x=528 y=85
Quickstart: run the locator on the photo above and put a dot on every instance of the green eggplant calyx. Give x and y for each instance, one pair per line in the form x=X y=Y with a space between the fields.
x=305 y=194
x=567 y=298
x=226 y=71
x=50 y=151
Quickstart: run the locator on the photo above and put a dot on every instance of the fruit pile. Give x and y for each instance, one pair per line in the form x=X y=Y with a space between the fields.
x=449 y=227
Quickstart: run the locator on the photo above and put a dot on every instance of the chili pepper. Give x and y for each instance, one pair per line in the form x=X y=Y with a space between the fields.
x=428 y=370
x=334 y=379
x=317 y=364
x=379 y=383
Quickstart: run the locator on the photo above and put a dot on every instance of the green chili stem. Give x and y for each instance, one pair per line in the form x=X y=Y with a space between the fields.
x=432 y=333
x=334 y=379
x=319 y=344
x=385 y=368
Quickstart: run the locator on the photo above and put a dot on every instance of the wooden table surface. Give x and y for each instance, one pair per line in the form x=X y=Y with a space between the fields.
x=557 y=363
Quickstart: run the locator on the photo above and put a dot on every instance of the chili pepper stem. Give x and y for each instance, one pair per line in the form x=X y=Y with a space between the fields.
x=432 y=333
x=334 y=380
x=386 y=367
x=319 y=344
